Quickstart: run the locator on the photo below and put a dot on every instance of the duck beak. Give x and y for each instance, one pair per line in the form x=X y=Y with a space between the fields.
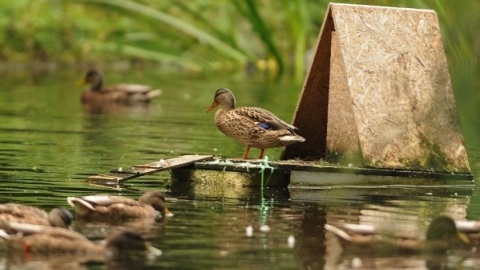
x=153 y=252
x=167 y=213
x=463 y=237
x=214 y=105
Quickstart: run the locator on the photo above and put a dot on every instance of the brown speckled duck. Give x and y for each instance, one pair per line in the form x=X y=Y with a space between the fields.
x=251 y=126
x=119 y=93
x=57 y=217
x=39 y=239
x=105 y=207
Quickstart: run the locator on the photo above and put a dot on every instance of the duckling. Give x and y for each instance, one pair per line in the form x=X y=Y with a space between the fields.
x=251 y=126
x=105 y=207
x=118 y=93
x=57 y=217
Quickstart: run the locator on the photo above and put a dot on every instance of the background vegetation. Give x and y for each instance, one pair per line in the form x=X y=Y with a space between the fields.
x=196 y=35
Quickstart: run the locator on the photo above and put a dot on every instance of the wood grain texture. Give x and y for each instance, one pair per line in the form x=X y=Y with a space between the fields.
x=384 y=91
x=342 y=132
x=119 y=176
x=400 y=86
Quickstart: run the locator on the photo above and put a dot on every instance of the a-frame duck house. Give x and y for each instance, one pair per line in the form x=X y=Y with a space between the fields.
x=379 y=95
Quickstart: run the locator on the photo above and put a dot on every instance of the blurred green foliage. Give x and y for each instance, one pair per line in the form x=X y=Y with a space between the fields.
x=198 y=35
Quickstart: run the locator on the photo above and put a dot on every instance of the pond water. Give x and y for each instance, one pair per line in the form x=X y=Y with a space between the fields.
x=50 y=144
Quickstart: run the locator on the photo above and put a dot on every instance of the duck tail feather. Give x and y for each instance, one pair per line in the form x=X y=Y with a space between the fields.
x=73 y=201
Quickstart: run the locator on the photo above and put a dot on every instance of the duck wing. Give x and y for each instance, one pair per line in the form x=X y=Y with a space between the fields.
x=100 y=200
x=264 y=118
x=129 y=88
x=14 y=210
x=27 y=229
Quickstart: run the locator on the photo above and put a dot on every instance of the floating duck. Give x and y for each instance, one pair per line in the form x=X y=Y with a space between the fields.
x=106 y=207
x=442 y=235
x=251 y=126
x=39 y=239
x=119 y=93
x=57 y=217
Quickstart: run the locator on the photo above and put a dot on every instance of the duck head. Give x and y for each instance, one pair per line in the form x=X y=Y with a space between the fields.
x=223 y=98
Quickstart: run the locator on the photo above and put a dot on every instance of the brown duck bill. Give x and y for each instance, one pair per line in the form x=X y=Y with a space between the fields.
x=213 y=106
x=167 y=213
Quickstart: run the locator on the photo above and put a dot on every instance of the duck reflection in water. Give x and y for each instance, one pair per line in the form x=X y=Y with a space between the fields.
x=95 y=108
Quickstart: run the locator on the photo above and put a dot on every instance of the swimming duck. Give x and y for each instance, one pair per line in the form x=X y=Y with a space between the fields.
x=251 y=126
x=39 y=239
x=57 y=217
x=119 y=93
x=107 y=207
x=442 y=235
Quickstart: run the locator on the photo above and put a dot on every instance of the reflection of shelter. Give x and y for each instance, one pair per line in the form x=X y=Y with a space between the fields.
x=379 y=94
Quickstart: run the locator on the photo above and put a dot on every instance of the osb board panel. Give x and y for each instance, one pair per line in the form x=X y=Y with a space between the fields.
x=400 y=86
x=311 y=113
x=342 y=132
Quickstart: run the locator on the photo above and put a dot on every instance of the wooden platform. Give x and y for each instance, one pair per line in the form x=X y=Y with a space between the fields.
x=301 y=174
x=223 y=175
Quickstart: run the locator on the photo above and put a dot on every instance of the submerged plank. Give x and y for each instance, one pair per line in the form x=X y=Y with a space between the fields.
x=120 y=175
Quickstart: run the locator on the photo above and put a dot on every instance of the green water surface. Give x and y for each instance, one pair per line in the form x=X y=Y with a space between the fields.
x=50 y=144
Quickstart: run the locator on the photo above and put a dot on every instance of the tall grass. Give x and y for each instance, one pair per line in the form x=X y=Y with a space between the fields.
x=171 y=21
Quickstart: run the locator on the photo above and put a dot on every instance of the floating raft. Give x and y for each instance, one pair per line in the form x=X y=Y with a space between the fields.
x=206 y=170
x=303 y=174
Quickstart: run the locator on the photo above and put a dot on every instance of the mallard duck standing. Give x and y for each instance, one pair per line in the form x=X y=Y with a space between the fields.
x=251 y=126
x=106 y=207
x=57 y=217
x=119 y=93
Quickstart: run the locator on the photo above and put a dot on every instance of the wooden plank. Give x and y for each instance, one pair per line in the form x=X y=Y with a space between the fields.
x=120 y=175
